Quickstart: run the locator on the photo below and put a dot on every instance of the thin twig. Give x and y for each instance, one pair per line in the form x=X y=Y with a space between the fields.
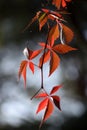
x=36 y=93
x=42 y=86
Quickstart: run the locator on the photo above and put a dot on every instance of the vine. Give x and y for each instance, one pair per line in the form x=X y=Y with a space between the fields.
x=57 y=30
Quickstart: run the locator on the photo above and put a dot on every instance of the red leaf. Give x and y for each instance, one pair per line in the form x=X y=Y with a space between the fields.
x=54 y=62
x=56 y=100
x=63 y=3
x=68 y=34
x=55 y=89
x=31 y=66
x=22 y=70
x=57 y=3
x=53 y=34
x=46 y=57
x=51 y=42
x=41 y=95
x=63 y=48
x=45 y=10
x=42 y=20
x=42 y=105
x=48 y=111
x=35 y=53
x=24 y=75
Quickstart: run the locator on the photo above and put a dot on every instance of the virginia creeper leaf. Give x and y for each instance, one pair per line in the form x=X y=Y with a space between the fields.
x=68 y=34
x=55 y=89
x=42 y=20
x=48 y=103
x=31 y=66
x=63 y=48
x=56 y=100
x=63 y=3
x=35 y=53
x=57 y=3
x=42 y=105
x=22 y=71
x=54 y=62
x=51 y=42
x=54 y=33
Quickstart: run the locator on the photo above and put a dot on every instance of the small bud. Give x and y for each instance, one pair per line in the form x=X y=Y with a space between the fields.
x=25 y=52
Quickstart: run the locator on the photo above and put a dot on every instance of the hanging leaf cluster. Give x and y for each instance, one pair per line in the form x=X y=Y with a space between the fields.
x=48 y=102
x=57 y=42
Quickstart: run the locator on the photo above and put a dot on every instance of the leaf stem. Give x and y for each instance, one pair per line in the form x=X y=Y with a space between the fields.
x=36 y=93
x=42 y=85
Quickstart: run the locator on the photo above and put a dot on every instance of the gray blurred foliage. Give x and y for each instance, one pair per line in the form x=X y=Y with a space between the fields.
x=17 y=111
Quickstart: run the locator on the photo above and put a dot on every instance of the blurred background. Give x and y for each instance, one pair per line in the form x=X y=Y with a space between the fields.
x=17 y=111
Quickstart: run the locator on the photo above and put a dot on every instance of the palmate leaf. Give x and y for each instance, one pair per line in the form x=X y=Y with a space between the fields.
x=54 y=59
x=23 y=67
x=54 y=62
x=63 y=48
x=48 y=102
